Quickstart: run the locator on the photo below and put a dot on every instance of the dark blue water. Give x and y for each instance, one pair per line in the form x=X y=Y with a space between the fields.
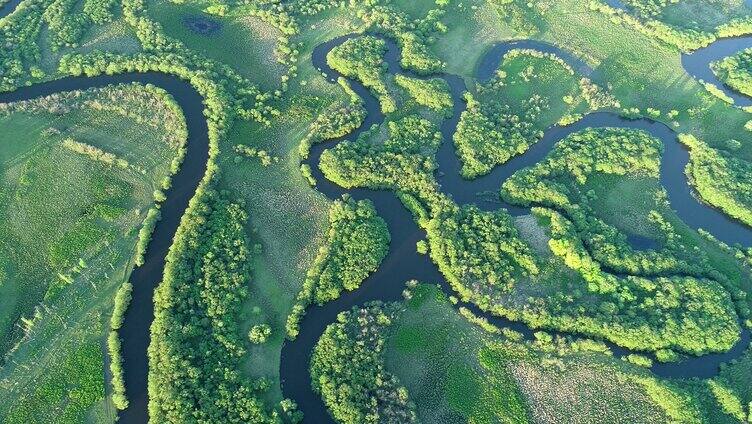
x=8 y=7
x=403 y=263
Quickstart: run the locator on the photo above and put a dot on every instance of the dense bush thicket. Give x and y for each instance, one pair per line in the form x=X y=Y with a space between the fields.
x=336 y=121
x=144 y=234
x=736 y=71
x=721 y=179
x=478 y=251
x=683 y=313
x=432 y=93
x=619 y=152
x=484 y=140
x=122 y=300
x=611 y=151
x=357 y=242
x=205 y=283
x=361 y=58
x=94 y=153
x=347 y=369
x=482 y=256
x=402 y=162
x=521 y=15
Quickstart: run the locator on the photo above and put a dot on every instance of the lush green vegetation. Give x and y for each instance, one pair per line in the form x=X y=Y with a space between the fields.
x=122 y=300
x=357 y=242
x=205 y=283
x=721 y=179
x=735 y=71
x=456 y=371
x=361 y=58
x=94 y=165
x=363 y=392
x=432 y=93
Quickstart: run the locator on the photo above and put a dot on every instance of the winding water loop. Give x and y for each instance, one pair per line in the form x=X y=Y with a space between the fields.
x=403 y=263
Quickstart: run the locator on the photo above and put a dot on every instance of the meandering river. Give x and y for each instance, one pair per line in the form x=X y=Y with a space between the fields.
x=403 y=262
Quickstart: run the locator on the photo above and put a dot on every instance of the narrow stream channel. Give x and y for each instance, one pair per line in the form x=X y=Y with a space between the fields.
x=403 y=262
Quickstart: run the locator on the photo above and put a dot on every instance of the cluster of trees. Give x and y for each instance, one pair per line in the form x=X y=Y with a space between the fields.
x=736 y=71
x=122 y=300
x=649 y=8
x=413 y=35
x=722 y=180
x=684 y=39
x=521 y=15
x=252 y=152
x=362 y=391
x=67 y=26
x=357 y=242
x=153 y=215
x=682 y=313
x=205 y=283
x=361 y=58
x=259 y=333
x=610 y=150
x=485 y=138
x=432 y=93
x=337 y=121
x=404 y=162
x=478 y=252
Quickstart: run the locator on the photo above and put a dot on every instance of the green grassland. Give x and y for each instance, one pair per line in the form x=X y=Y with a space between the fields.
x=243 y=42
x=68 y=227
x=456 y=372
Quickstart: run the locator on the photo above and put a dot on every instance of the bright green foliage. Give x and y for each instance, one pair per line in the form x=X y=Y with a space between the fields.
x=722 y=180
x=361 y=58
x=520 y=15
x=205 y=283
x=401 y=162
x=337 y=121
x=478 y=251
x=122 y=300
x=728 y=400
x=610 y=151
x=684 y=313
x=432 y=93
x=144 y=234
x=736 y=71
x=363 y=391
x=357 y=242
x=116 y=369
x=259 y=333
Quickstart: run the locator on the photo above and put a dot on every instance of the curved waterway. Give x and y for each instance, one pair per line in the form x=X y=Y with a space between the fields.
x=135 y=330
x=403 y=263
